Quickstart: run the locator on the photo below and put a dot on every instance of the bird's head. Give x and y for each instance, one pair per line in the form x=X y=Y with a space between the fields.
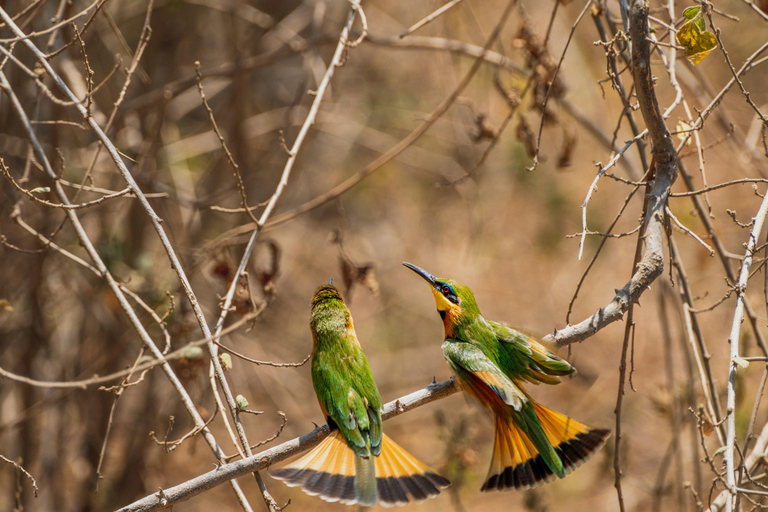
x=325 y=294
x=455 y=301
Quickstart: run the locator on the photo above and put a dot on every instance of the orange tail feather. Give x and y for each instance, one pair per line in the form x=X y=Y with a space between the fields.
x=517 y=464
x=401 y=478
x=329 y=471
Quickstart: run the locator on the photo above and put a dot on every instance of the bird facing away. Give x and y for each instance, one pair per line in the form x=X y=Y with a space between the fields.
x=357 y=463
x=491 y=360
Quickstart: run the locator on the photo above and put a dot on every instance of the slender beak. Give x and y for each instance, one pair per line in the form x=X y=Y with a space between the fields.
x=423 y=273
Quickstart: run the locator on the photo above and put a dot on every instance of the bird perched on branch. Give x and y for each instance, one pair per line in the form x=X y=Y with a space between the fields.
x=533 y=444
x=357 y=463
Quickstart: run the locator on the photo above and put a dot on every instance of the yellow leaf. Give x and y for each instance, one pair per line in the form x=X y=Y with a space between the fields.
x=697 y=44
x=683 y=130
x=741 y=361
x=226 y=361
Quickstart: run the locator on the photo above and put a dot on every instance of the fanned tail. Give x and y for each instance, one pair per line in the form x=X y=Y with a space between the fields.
x=518 y=464
x=333 y=472
x=328 y=471
x=401 y=478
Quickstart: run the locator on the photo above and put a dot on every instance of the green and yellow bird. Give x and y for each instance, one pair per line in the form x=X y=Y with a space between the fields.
x=491 y=360
x=357 y=463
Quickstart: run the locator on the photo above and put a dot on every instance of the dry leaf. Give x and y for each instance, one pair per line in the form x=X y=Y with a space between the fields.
x=482 y=129
x=694 y=37
x=351 y=272
x=566 y=151
x=682 y=128
x=226 y=361
x=267 y=268
x=527 y=137
x=741 y=361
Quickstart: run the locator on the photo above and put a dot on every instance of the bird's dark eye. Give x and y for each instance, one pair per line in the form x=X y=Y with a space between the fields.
x=446 y=289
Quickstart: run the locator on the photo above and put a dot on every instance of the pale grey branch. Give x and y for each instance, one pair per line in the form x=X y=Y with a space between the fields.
x=263 y=460
x=665 y=158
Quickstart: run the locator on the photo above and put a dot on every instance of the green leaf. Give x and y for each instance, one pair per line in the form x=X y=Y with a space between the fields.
x=700 y=24
x=241 y=402
x=192 y=353
x=691 y=12
x=40 y=190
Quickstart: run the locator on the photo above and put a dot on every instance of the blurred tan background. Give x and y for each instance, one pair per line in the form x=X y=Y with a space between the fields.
x=504 y=232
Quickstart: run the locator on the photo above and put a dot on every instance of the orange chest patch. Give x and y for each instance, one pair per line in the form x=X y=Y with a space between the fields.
x=450 y=317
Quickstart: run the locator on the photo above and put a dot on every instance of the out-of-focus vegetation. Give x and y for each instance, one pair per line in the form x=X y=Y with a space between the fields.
x=505 y=231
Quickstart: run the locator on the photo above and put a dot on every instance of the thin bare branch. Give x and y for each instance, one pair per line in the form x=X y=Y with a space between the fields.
x=431 y=17
x=267 y=458
x=19 y=467
x=665 y=157
x=734 y=363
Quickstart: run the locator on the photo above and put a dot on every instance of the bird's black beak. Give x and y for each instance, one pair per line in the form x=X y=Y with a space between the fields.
x=423 y=273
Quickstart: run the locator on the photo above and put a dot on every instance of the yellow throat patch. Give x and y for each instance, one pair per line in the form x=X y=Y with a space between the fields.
x=452 y=311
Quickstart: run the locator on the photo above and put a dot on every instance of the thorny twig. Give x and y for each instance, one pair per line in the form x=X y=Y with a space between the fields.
x=552 y=83
x=386 y=157
x=101 y=267
x=231 y=159
x=665 y=156
x=26 y=473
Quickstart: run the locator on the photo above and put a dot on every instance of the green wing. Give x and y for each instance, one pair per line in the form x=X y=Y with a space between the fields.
x=468 y=357
x=349 y=397
x=531 y=360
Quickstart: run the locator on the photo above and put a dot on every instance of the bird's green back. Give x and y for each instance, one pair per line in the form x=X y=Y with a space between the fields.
x=517 y=355
x=341 y=376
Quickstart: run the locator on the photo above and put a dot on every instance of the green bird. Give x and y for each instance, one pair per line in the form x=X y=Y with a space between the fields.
x=357 y=463
x=492 y=361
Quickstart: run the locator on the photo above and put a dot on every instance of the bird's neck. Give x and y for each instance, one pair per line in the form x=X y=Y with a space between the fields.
x=333 y=329
x=466 y=327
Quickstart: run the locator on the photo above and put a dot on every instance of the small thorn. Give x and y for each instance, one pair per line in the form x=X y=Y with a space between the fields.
x=330 y=282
